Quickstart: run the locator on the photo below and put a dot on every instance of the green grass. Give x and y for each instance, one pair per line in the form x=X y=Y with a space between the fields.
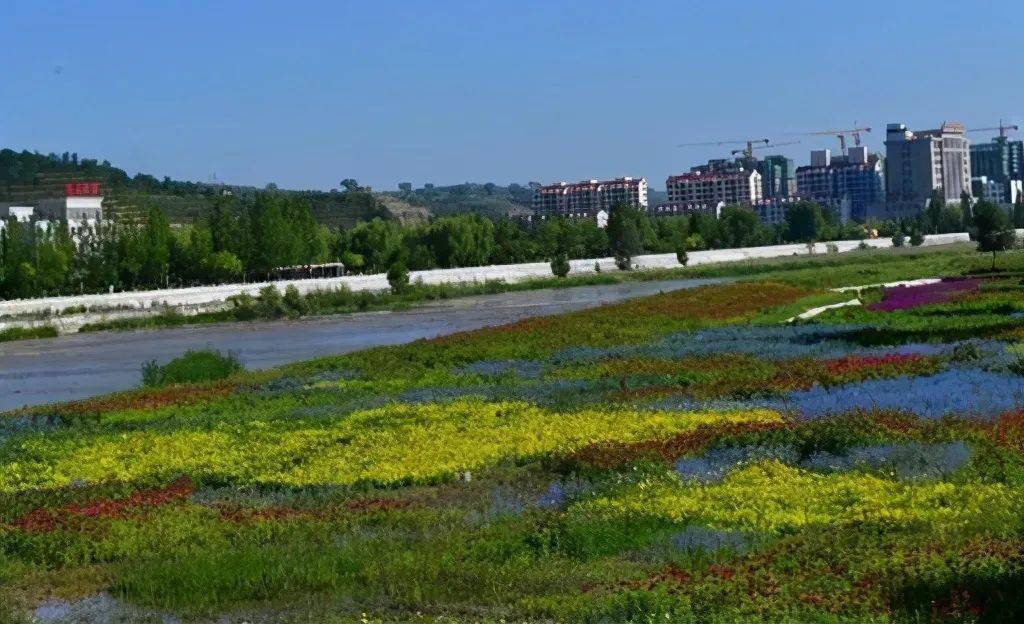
x=189 y=368
x=27 y=333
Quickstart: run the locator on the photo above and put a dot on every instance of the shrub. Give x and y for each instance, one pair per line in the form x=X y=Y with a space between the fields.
x=23 y=333
x=682 y=256
x=623 y=262
x=270 y=303
x=560 y=265
x=898 y=239
x=398 y=277
x=243 y=306
x=297 y=304
x=597 y=267
x=916 y=238
x=191 y=367
x=863 y=245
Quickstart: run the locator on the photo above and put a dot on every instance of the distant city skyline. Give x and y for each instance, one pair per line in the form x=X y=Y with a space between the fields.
x=306 y=94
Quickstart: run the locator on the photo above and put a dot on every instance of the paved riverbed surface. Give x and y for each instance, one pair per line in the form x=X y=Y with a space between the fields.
x=36 y=372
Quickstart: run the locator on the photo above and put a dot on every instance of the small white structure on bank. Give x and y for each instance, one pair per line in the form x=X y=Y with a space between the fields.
x=81 y=208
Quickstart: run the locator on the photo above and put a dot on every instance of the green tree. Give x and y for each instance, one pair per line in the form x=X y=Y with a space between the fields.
x=934 y=212
x=464 y=240
x=624 y=234
x=560 y=265
x=156 y=248
x=378 y=242
x=952 y=219
x=706 y=229
x=398 y=278
x=17 y=275
x=224 y=267
x=804 y=222
x=350 y=185
x=967 y=208
x=741 y=227
x=511 y=243
x=995 y=231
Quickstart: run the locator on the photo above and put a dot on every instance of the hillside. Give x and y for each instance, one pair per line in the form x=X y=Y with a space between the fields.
x=25 y=176
x=489 y=200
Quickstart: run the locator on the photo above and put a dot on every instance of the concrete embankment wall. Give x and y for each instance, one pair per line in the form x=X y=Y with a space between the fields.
x=202 y=297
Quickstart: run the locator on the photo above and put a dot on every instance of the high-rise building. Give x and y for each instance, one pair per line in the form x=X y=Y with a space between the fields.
x=584 y=200
x=852 y=184
x=777 y=176
x=1005 y=193
x=1000 y=160
x=714 y=187
x=997 y=169
x=916 y=163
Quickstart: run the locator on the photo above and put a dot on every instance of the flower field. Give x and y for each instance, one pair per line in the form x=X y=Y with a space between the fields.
x=687 y=457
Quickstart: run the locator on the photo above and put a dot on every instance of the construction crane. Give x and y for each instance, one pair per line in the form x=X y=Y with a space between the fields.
x=766 y=146
x=748 y=151
x=1001 y=128
x=842 y=134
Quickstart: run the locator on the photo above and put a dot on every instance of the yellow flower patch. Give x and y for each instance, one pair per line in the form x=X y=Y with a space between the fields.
x=772 y=497
x=394 y=444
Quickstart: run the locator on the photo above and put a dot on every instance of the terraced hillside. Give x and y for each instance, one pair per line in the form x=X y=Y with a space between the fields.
x=687 y=457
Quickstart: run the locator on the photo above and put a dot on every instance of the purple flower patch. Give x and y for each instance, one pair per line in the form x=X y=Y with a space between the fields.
x=909 y=297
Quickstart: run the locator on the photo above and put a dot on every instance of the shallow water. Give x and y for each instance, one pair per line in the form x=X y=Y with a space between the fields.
x=36 y=372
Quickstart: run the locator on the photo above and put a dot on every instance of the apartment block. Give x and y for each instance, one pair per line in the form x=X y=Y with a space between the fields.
x=916 y=163
x=584 y=200
x=712 y=188
x=777 y=176
x=1005 y=193
x=853 y=184
x=997 y=169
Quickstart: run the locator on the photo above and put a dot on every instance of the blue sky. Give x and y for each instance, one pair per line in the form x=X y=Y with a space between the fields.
x=305 y=94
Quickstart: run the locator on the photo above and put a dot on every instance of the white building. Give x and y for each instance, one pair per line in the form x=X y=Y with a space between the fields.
x=23 y=214
x=81 y=208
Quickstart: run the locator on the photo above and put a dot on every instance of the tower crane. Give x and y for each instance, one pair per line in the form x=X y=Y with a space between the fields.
x=765 y=146
x=842 y=134
x=748 y=151
x=1001 y=128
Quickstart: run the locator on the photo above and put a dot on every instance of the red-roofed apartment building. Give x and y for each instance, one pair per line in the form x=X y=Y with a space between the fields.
x=583 y=200
x=715 y=187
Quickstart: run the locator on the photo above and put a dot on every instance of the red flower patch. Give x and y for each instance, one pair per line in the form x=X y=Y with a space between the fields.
x=614 y=454
x=859 y=363
x=44 y=520
x=1008 y=430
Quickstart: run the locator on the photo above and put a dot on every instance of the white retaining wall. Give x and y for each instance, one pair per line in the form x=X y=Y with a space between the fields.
x=205 y=295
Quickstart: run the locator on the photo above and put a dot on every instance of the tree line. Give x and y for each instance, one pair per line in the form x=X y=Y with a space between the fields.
x=249 y=238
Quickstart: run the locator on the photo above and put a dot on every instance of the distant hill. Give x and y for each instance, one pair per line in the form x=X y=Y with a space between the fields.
x=27 y=176
x=487 y=199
